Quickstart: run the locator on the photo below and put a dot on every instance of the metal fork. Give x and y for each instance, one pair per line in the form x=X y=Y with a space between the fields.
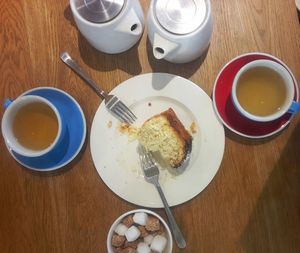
x=112 y=103
x=151 y=173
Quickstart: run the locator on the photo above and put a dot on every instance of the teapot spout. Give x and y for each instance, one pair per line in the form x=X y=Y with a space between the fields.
x=162 y=47
x=132 y=24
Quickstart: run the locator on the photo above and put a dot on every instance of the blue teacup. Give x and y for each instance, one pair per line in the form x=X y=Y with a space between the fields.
x=31 y=150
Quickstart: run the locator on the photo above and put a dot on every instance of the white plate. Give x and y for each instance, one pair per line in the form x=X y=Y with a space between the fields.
x=116 y=159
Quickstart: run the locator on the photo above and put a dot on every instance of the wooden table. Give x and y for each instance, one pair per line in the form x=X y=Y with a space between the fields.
x=253 y=203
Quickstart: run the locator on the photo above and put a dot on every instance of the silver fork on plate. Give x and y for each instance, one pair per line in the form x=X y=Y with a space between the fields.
x=151 y=173
x=112 y=103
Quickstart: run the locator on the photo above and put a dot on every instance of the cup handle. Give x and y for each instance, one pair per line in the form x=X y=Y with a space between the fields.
x=295 y=107
x=7 y=103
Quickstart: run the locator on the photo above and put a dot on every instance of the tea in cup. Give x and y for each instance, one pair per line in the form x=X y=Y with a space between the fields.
x=32 y=126
x=263 y=90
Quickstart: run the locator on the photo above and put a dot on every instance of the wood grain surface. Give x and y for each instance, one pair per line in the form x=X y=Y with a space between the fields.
x=251 y=206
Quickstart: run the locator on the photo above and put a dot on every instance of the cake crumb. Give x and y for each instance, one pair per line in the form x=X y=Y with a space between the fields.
x=123 y=128
x=109 y=124
x=131 y=131
x=193 y=128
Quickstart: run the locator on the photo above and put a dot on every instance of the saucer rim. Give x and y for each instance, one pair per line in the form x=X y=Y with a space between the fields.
x=283 y=126
x=79 y=146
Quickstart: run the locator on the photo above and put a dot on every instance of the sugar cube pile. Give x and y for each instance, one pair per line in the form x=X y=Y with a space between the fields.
x=139 y=233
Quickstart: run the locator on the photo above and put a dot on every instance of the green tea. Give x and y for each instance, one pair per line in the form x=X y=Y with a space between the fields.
x=35 y=126
x=261 y=91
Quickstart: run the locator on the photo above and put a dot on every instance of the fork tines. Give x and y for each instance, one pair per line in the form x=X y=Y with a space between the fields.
x=147 y=162
x=121 y=110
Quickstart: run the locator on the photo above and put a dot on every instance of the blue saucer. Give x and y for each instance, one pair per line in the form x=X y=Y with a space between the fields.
x=75 y=131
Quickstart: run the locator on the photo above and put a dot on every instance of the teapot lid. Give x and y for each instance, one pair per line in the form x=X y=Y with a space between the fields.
x=99 y=11
x=180 y=16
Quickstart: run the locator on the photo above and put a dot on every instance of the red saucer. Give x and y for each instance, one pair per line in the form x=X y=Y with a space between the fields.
x=227 y=112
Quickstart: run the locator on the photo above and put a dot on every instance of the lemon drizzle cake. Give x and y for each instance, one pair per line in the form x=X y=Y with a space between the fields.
x=164 y=133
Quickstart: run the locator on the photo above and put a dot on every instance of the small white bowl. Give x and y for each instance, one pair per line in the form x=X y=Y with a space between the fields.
x=169 y=238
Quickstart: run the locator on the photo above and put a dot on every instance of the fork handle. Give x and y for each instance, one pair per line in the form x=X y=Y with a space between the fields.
x=180 y=241
x=66 y=58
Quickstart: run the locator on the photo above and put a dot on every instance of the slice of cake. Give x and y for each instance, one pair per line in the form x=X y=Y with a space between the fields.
x=164 y=133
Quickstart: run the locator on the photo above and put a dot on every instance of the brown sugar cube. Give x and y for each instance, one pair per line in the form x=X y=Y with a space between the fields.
x=161 y=231
x=133 y=244
x=117 y=240
x=118 y=250
x=128 y=250
x=153 y=224
x=143 y=231
x=128 y=221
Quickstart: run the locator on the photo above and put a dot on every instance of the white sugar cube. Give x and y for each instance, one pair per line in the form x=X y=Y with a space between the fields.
x=143 y=248
x=148 y=239
x=132 y=233
x=121 y=229
x=158 y=243
x=140 y=218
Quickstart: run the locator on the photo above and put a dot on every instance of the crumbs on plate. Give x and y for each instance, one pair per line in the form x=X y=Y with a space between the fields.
x=193 y=128
x=131 y=131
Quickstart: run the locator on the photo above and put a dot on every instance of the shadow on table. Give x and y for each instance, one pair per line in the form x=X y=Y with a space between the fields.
x=127 y=61
x=274 y=225
x=248 y=141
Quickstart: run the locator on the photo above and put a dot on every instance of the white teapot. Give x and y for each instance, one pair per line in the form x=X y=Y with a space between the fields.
x=111 y=26
x=179 y=30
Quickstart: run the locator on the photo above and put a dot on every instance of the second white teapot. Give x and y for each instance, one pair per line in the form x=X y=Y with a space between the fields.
x=179 y=30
